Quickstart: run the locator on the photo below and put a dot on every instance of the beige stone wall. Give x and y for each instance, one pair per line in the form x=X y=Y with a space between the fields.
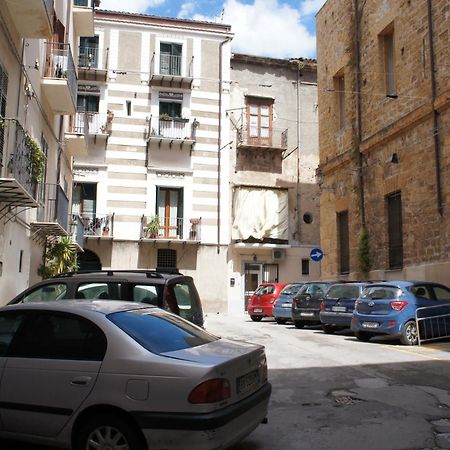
x=402 y=126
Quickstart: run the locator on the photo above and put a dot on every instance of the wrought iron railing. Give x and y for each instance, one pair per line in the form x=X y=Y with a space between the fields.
x=54 y=205
x=91 y=123
x=59 y=64
x=172 y=228
x=172 y=128
x=98 y=224
x=77 y=229
x=274 y=138
x=93 y=58
x=171 y=65
x=27 y=162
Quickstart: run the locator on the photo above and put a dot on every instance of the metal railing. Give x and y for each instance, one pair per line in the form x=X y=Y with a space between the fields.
x=98 y=224
x=55 y=205
x=22 y=164
x=173 y=228
x=93 y=58
x=59 y=64
x=433 y=322
x=77 y=229
x=172 y=128
x=90 y=123
x=171 y=65
x=276 y=138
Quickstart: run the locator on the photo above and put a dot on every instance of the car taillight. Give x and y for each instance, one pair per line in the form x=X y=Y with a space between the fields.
x=322 y=305
x=398 y=305
x=210 y=391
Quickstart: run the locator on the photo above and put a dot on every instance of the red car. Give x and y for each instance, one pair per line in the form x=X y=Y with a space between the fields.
x=261 y=302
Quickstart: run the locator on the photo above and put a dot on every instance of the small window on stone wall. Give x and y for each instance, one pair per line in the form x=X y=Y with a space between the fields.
x=167 y=258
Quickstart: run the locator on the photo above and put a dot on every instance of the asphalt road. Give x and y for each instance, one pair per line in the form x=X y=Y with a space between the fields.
x=332 y=392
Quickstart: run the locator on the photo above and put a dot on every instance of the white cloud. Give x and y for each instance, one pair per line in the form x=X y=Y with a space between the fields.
x=186 y=10
x=308 y=7
x=267 y=28
x=133 y=6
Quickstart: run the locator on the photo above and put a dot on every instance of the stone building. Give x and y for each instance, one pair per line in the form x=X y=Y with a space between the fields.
x=38 y=85
x=384 y=118
x=274 y=201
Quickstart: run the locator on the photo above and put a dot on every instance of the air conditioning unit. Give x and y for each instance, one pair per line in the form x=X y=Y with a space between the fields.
x=278 y=254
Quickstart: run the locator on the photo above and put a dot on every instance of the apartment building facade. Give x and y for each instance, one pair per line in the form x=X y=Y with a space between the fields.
x=384 y=118
x=273 y=155
x=148 y=171
x=38 y=85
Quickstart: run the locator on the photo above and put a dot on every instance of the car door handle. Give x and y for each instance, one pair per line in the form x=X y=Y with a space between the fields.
x=81 y=381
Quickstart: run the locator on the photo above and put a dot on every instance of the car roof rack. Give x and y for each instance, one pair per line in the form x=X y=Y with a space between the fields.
x=148 y=273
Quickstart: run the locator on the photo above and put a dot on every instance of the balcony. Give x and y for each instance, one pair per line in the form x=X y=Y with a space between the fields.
x=172 y=229
x=60 y=80
x=52 y=214
x=92 y=64
x=170 y=72
x=276 y=140
x=172 y=130
x=22 y=169
x=83 y=17
x=32 y=18
x=98 y=225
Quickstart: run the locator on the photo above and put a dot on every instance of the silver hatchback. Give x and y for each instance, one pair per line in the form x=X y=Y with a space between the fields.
x=120 y=375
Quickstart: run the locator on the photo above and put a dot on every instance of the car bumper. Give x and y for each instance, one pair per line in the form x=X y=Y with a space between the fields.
x=306 y=315
x=265 y=311
x=333 y=318
x=281 y=313
x=206 y=431
x=385 y=325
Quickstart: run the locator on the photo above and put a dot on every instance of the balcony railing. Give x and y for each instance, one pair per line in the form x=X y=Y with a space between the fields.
x=93 y=58
x=86 y=3
x=275 y=139
x=55 y=205
x=60 y=65
x=77 y=229
x=171 y=72
x=170 y=64
x=173 y=228
x=98 y=224
x=91 y=123
x=164 y=127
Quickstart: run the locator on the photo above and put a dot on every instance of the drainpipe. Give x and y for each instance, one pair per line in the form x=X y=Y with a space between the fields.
x=436 y=134
x=362 y=206
x=219 y=140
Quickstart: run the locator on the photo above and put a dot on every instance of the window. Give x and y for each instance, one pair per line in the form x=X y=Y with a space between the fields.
x=259 y=121
x=128 y=107
x=387 y=45
x=102 y=291
x=88 y=103
x=170 y=59
x=89 y=52
x=343 y=242
x=305 y=266
x=167 y=258
x=395 y=230
x=3 y=92
x=170 y=212
x=148 y=294
x=47 y=335
x=339 y=89
x=441 y=293
x=9 y=324
x=49 y=292
x=84 y=199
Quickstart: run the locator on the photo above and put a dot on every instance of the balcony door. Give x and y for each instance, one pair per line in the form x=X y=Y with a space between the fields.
x=170 y=59
x=259 y=121
x=170 y=212
x=89 y=52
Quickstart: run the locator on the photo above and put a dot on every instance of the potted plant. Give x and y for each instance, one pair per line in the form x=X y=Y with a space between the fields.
x=152 y=227
x=59 y=256
x=164 y=116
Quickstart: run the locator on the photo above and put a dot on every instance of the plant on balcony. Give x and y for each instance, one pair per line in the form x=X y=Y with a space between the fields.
x=36 y=158
x=60 y=256
x=152 y=227
x=164 y=116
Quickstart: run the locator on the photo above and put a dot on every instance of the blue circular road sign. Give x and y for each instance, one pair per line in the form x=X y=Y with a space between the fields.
x=316 y=254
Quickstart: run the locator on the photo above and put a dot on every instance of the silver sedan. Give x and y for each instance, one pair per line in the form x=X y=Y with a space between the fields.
x=120 y=375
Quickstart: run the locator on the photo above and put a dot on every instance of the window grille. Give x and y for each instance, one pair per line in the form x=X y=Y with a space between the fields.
x=167 y=258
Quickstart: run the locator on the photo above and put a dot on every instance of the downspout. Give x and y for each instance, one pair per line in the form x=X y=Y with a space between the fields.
x=436 y=134
x=219 y=140
x=362 y=206
x=298 y=193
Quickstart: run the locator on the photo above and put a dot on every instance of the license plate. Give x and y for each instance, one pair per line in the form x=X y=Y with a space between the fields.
x=338 y=308
x=286 y=305
x=257 y=310
x=248 y=381
x=370 y=324
x=307 y=314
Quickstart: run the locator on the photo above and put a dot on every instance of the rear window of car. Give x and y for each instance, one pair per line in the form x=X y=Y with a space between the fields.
x=381 y=292
x=160 y=332
x=343 y=291
x=313 y=289
x=291 y=289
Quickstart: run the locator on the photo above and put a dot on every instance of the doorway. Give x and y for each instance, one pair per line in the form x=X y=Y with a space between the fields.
x=255 y=274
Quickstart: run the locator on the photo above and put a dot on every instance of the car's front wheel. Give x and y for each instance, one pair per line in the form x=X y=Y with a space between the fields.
x=409 y=334
x=363 y=336
x=256 y=318
x=108 y=432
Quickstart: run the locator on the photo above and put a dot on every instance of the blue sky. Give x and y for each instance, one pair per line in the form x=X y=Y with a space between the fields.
x=276 y=28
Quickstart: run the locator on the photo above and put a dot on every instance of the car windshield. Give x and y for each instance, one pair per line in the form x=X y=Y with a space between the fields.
x=291 y=289
x=343 y=291
x=381 y=292
x=160 y=332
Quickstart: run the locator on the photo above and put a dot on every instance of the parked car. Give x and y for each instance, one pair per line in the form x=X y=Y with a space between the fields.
x=282 y=307
x=261 y=302
x=389 y=308
x=306 y=303
x=171 y=291
x=336 y=308
x=119 y=375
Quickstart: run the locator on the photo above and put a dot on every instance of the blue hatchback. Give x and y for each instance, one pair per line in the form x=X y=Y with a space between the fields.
x=389 y=308
x=282 y=307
